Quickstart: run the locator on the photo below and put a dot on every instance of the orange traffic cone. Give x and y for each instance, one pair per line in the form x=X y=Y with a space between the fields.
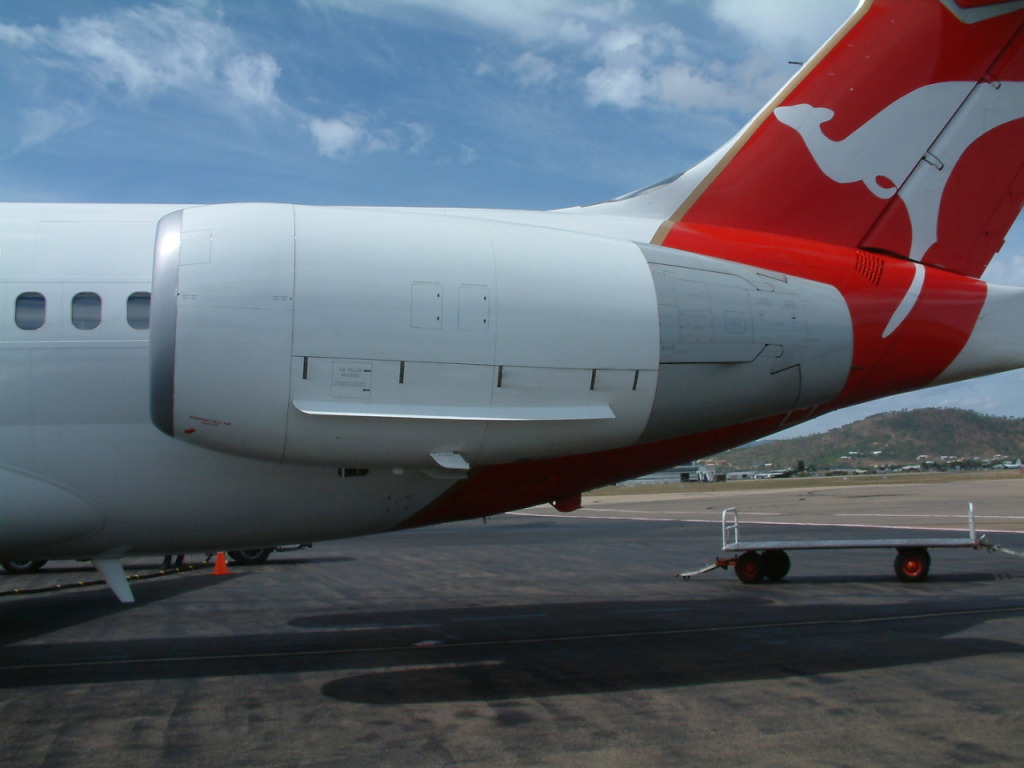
x=220 y=568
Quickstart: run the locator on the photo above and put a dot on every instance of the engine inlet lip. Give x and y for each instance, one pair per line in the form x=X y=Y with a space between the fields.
x=164 y=321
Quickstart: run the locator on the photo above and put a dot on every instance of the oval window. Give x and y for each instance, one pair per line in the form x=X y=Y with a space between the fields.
x=30 y=311
x=85 y=311
x=138 y=311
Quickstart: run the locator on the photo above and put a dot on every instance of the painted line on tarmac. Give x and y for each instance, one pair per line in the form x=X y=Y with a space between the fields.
x=509 y=617
x=371 y=627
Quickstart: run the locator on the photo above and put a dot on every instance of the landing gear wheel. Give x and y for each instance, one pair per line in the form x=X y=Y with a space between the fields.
x=775 y=564
x=912 y=564
x=22 y=566
x=749 y=568
x=250 y=556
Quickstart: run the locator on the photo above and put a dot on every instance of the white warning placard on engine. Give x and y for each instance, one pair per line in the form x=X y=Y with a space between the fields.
x=352 y=379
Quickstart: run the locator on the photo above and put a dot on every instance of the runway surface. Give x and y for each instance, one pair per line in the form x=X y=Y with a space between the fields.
x=561 y=640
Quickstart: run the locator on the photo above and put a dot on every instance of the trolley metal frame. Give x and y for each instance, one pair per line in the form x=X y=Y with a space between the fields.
x=755 y=561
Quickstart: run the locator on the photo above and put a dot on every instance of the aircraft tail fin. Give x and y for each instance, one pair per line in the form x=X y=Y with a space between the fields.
x=904 y=135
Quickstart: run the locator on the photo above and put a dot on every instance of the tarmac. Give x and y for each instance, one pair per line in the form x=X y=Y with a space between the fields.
x=543 y=639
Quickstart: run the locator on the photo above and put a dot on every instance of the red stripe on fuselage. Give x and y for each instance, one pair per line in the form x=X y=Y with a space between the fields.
x=505 y=487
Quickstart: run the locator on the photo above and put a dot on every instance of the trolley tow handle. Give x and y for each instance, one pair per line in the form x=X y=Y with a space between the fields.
x=720 y=562
x=982 y=542
x=730 y=522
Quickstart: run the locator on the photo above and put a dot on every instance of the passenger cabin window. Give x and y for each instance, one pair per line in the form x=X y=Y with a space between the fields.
x=30 y=311
x=138 y=311
x=85 y=311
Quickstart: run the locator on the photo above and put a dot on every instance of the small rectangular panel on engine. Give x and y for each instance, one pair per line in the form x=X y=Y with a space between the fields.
x=351 y=379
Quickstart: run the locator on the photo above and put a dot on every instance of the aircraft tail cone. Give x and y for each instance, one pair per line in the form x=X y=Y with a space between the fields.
x=220 y=568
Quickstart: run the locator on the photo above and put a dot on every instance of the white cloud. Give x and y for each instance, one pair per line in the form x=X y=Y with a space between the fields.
x=42 y=123
x=251 y=78
x=621 y=41
x=653 y=67
x=419 y=136
x=14 y=35
x=785 y=24
x=658 y=66
x=146 y=50
x=136 y=53
x=621 y=86
x=534 y=70
x=341 y=137
x=525 y=20
x=628 y=69
x=616 y=61
x=742 y=89
x=681 y=85
x=572 y=31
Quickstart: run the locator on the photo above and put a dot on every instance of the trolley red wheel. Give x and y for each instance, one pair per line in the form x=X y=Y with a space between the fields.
x=748 y=568
x=912 y=564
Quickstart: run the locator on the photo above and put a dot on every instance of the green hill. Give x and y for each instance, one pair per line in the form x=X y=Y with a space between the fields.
x=943 y=436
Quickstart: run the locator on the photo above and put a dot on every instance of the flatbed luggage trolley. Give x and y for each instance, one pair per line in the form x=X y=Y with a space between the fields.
x=757 y=560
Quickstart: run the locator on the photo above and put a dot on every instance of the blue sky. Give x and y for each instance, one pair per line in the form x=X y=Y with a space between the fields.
x=531 y=104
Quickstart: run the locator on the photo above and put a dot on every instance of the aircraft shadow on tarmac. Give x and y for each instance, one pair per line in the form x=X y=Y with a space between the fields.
x=540 y=649
x=23 y=616
x=645 y=651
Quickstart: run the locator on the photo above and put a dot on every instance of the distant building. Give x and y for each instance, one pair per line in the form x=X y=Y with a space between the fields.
x=742 y=475
x=683 y=473
x=708 y=473
x=760 y=474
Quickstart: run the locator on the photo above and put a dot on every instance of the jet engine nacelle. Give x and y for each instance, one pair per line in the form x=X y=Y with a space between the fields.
x=361 y=337
x=367 y=337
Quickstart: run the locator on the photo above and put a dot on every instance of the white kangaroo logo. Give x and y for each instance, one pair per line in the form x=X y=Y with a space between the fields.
x=883 y=151
x=928 y=130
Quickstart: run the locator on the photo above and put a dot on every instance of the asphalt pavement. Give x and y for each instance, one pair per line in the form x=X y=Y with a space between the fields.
x=555 y=640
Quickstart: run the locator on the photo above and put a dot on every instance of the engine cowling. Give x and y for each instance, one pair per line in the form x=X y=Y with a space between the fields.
x=363 y=337
x=740 y=343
